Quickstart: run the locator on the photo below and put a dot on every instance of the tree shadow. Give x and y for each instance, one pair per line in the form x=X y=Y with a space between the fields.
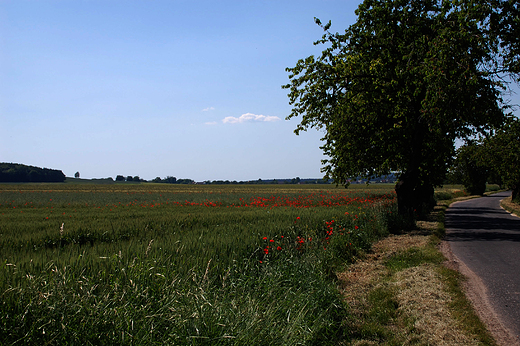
x=473 y=211
x=481 y=224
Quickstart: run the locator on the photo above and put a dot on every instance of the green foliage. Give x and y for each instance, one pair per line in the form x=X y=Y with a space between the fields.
x=505 y=24
x=471 y=168
x=503 y=151
x=18 y=173
x=396 y=89
x=397 y=223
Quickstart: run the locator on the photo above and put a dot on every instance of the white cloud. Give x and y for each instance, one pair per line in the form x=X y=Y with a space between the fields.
x=211 y=123
x=208 y=109
x=249 y=117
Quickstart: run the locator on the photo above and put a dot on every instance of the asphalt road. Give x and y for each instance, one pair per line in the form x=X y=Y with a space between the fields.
x=487 y=239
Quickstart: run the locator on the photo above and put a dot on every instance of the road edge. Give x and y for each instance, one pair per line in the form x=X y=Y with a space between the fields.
x=476 y=292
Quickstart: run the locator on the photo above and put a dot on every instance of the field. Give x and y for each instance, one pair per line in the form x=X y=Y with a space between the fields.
x=150 y=264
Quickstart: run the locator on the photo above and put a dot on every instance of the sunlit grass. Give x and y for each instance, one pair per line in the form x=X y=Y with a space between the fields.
x=145 y=264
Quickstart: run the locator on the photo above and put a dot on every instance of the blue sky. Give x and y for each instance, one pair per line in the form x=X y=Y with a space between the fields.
x=190 y=89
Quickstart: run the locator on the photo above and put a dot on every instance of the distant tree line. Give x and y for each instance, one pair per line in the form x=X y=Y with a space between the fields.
x=173 y=180
x=18 y=173
x=296 y=180
x=129 y=178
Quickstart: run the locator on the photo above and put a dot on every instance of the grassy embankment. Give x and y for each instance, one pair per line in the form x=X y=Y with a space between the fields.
x=402 y=293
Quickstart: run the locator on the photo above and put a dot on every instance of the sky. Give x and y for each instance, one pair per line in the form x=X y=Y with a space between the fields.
x=158 y=88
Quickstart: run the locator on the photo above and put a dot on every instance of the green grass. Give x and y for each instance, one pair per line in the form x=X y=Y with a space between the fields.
x=190 y=265
x=414 y=257
x=144 y=264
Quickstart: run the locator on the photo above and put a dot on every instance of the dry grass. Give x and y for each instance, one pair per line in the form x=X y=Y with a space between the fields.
x=510 y=206
x=423 y=313
x=370 y=275
x=423 y=296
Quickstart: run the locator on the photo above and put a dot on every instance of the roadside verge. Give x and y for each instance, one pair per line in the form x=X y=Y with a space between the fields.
x=405 y=291
x=476 y=291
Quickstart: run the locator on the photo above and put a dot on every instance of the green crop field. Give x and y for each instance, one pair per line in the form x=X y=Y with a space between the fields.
x=147 y=264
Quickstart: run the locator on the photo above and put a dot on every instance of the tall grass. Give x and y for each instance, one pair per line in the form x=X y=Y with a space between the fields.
x=143 y=265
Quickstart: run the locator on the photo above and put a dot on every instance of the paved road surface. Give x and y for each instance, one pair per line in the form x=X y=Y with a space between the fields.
x=487 y=239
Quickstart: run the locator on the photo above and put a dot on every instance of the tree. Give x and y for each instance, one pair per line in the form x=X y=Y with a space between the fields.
x=504 y=152
x=76 y=175
x=396 y=89
x=15 y=172
x=471 y=168
x=505 y=27
x=295 y=180
x=120 y=178
x=170 y=180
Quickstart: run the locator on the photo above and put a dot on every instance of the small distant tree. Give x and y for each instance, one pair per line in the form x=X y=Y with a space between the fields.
x=120 y=178
x=470 y=168
x=136 y=178
x=503 y=151
x=170 y=180
x=185 y=181
x=295 y=180
x=129 y=178
x=76 y=175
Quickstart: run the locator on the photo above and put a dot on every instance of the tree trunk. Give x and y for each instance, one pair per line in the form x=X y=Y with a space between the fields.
x=414 y=198
x=404 y=190
x=515 y=196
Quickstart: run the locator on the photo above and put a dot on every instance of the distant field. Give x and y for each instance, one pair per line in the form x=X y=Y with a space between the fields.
x=181 y=264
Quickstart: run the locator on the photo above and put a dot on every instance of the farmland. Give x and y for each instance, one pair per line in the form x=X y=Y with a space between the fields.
x=154 y=264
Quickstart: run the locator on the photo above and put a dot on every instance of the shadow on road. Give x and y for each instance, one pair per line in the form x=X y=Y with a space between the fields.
x=481 y=223
x=474 y=211
x=460 y=236
x=486 y=239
